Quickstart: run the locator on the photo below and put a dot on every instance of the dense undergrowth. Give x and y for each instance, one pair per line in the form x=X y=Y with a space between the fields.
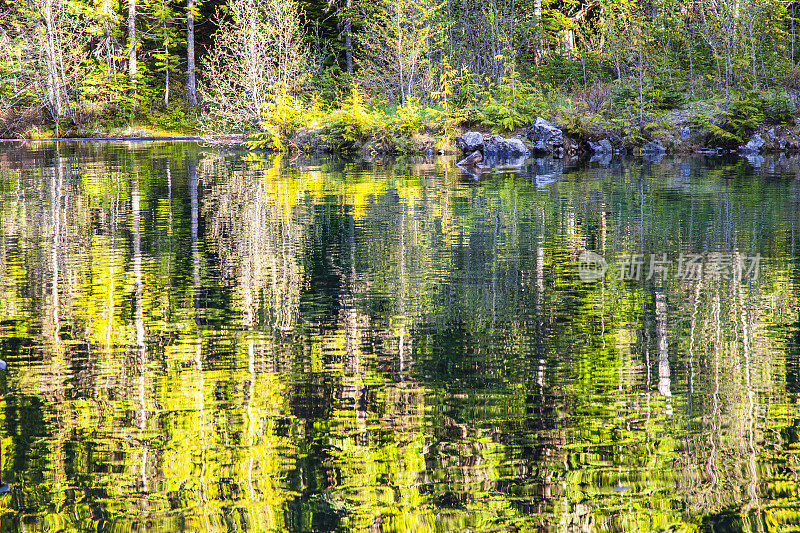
x=586 y=113
x=345 y=121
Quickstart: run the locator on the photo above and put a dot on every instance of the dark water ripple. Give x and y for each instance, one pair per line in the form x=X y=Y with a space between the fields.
x=201 y=339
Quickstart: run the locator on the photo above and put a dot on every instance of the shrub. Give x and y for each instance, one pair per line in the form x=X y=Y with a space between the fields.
x=562 y=71
x=595 y=96
x=509 y=111
x=778 y=109
x=347 y=128
x=658 y=95
x=575 y=118
x=408 y=118
x=744 y=114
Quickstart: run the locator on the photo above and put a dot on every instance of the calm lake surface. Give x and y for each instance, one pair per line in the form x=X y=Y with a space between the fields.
x=200 y=339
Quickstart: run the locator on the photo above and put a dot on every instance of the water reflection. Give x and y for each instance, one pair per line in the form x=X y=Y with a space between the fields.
x=202 y=339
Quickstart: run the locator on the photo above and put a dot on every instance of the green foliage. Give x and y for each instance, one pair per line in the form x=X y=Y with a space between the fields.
x=174 y=119
x=778 y=109
x=408 y=118
x=663 y=95
x=658 y=95
x=563 y=71
x=511 y=108
x=716 y=130
x=349 y=126
x=744 y=114
x=575 y=117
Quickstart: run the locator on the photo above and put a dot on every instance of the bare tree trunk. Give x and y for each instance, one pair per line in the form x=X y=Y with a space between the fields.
x=191 y=83
x=641 y=88
x=132 y=46
x=537 y=20
x=166 y=65
x=400 y=58
x=348 y=38
x=752 y=44
x=691 y=62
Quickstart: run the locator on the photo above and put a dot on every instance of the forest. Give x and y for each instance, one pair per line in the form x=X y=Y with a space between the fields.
x=396 y=73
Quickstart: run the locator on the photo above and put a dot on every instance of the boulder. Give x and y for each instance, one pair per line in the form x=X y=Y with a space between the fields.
x=653 y=147
x=753 y=145
x=545 y=136
x=600 y=147
x=501 y=148
x=471 y=160
x=686 y=132
x=307 y=141
x=470 y=141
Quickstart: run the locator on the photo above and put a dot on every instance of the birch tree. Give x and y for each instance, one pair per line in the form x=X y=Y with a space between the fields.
x=258 y=53
x=191 y=80
x=395 y=49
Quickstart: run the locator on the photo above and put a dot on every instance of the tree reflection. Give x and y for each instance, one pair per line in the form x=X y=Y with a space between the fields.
x=201 y=339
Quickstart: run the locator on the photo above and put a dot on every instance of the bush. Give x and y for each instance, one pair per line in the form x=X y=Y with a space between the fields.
x=578 y=120
x=778 y=109
x=408 y=118
x=716 y=134
x=744 y=114
x=347 y=128
x=730 y=128
x=658 y=95
x=174 y=119
x=595 y=96
x=562 y=71
x=508 y=111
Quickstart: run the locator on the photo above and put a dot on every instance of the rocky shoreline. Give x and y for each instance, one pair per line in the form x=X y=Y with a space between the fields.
x=544 y=139
x=482 y=151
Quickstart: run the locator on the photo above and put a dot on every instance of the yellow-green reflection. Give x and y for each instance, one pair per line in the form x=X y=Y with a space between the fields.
x=205 y=340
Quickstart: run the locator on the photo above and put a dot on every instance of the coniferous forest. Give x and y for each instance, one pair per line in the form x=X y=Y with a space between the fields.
x=397 y=74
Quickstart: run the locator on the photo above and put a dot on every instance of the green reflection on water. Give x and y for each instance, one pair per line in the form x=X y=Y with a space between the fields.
x=198 y=339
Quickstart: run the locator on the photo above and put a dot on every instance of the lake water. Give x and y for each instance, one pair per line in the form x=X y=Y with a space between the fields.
x=201 y=339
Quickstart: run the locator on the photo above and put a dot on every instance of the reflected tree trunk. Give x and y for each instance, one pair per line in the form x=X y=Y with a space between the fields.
x=138 y=318
x=663 y=348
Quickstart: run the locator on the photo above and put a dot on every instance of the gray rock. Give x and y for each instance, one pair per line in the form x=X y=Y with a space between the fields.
x=307 y=142
x=653 y=147
x=600 y=147
x=601 y=158
x=501 y=148
x=517 y=148
x=470 y=141
x=686 y=132
x=545 y=136
x=545 y=170
x=754 y=144
x=471 y=160
x=755 y=160
x=653 y=157
x=707 y=151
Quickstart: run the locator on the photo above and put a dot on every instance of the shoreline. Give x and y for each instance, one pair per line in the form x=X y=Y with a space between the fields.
x=145 y=138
